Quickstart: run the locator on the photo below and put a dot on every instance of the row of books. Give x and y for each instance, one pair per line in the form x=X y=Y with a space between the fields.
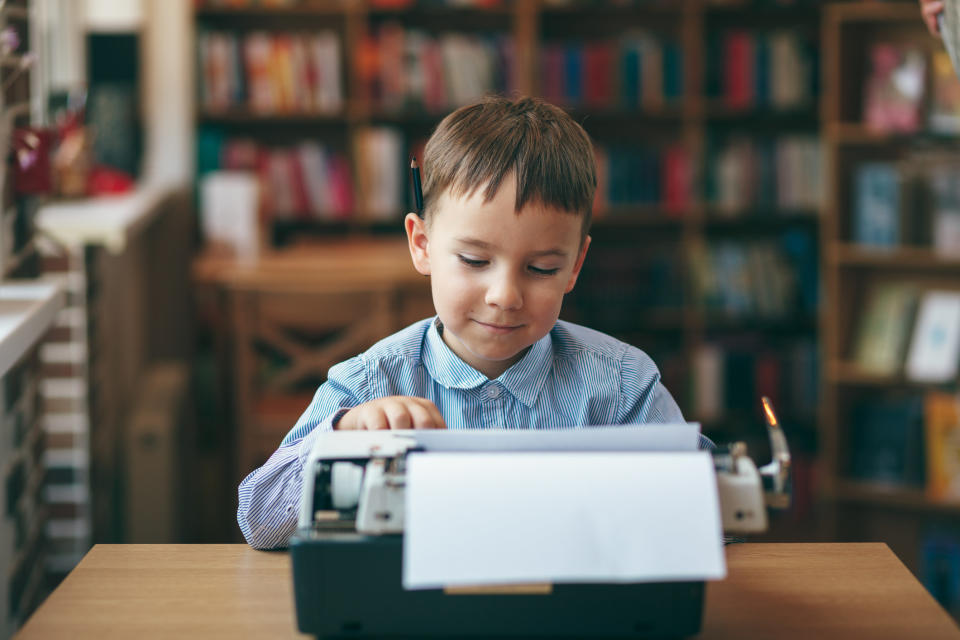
x=907 y=330
x=400 y=68
x=908 y=440
x=758 y=69
x=907 y=203
x=639 y=70
x=901 y=96
x=620 y=288
x=771 y=278
x=731 y=375
x=270 y=73
x=643 y=176
x=311 y=181
x=745 y=172
x=940 y=567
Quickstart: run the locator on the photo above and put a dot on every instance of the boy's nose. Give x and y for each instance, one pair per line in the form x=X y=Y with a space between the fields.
x=504 y=292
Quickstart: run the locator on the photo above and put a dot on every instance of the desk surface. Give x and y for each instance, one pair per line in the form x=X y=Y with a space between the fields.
x=230 y=591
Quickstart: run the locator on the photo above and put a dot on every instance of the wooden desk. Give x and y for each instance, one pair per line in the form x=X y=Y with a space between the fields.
x=784 y=591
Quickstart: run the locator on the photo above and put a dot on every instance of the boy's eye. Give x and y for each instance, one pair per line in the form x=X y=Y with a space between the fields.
x=471 y=262
x=543 y=272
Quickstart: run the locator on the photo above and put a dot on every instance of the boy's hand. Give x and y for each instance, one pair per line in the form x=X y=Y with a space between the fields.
x=930 y=9
x=393 y=412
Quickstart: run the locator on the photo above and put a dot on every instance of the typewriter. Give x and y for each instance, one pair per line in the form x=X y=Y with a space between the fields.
x=347 y=553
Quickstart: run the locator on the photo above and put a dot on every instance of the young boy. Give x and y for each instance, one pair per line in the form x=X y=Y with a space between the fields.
x=508 y=187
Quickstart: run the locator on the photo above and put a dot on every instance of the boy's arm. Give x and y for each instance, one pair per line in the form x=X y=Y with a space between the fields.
x=269 y=497
x=643 y=398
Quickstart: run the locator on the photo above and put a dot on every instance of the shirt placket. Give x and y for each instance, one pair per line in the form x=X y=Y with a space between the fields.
x=493 y=399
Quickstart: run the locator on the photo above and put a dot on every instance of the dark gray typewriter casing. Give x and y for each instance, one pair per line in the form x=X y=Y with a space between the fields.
x=348 y=585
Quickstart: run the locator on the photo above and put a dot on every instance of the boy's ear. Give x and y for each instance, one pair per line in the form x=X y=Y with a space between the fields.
x=418 y=242
x=578 y=265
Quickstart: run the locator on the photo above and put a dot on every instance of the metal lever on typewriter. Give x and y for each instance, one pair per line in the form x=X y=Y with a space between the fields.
x=776 y=474
x=745 y=491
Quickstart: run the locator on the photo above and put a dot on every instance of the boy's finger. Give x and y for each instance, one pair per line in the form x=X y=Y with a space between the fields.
x=375 y=420
x=421 y=417
x=347 y=421
x=398 y=415
x=438 y=421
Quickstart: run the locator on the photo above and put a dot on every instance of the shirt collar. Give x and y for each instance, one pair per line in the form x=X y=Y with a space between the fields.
x=523 y=380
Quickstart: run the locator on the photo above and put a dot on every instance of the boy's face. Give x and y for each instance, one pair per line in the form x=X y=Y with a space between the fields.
x=498 y=277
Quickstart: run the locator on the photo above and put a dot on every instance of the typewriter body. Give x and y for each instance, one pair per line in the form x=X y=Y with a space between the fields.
x=347 y=553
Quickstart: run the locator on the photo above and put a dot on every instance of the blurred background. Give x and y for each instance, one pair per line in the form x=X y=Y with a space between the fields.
x=201 y=213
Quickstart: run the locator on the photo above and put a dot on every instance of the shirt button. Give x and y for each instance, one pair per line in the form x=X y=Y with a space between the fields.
x=493 y=391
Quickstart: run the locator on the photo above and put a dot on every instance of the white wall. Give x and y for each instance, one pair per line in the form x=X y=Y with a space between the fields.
x=167 y=68
x=113 y=15
x=167 y=85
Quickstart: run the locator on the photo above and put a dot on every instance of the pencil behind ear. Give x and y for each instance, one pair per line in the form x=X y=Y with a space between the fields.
x=418 y=242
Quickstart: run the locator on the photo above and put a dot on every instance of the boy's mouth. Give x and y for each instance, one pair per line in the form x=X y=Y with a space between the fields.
x=498 y=328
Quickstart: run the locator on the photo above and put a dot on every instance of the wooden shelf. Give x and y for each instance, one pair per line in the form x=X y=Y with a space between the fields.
x=749 y=324
x=858 y=134
x=247 y=117
x=593 y=8
x=760 y=219
x=752 y=6
x=890 y=496
x=718 y=111
x=907 y=12
x=621 y=217
x=666 y=114
x=912 y=258
x=303 y=9
x=846 y=373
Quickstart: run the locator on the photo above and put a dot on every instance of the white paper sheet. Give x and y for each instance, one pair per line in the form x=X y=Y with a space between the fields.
x=487 y=518
x=649 y=437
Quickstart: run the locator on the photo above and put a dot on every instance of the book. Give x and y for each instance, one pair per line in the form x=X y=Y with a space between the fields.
x=876 y=205
x=940 y=566
x=944 y=186
x=941 y=416
x=229 y=205
x=378 y=154
x=935 y=347
x=782 y=174
x=949 y=24
x=895 y=88
x=884 y=327
x=708 y=382
x=944 y=115
x=887 y=441
x=738 y=79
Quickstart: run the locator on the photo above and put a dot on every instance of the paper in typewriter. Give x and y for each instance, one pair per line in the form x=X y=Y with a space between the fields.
x=599 y=517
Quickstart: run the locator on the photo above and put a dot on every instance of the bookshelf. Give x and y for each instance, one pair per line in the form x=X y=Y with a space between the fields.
x=681 y=98
x=877 y=463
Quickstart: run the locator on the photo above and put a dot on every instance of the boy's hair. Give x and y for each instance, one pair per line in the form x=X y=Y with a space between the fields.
x=479 y=144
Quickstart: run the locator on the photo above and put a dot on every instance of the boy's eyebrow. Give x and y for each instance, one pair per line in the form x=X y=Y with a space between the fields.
x=480 y=244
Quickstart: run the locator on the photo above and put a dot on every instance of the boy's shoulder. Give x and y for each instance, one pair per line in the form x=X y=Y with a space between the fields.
x=571 y=339
x=406 y=343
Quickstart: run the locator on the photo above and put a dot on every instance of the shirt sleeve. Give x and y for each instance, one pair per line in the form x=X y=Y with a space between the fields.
x=644 y=399
x=269 y=498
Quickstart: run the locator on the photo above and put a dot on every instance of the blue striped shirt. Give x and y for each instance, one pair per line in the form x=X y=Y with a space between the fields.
x=570 y=378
